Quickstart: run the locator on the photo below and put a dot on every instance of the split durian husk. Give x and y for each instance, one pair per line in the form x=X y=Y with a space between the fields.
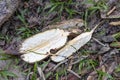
x=72 y=46
x=38 y=47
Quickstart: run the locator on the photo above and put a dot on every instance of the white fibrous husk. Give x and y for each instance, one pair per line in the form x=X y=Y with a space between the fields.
x=72 y=46
x=38 y=46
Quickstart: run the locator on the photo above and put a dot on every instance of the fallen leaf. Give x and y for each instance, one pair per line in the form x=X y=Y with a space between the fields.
x=117 y=23
x=71 y=25
x=38 y=46
x=72 y=46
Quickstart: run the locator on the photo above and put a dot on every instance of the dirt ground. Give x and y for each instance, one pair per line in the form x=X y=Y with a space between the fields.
x=99 y=59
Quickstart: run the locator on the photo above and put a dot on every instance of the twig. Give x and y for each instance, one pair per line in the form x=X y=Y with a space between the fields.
x=81 y=58
x=99 y=42
x=74 y=73
x=71 y=61
x=111 y=10
x=97 y=26
x=59 y=64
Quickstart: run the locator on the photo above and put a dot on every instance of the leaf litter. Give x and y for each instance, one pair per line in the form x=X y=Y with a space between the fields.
x=107 y=29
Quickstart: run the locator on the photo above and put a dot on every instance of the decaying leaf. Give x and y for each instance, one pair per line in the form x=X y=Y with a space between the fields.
x=69 y=25
x=38 y=46
x=72 y=46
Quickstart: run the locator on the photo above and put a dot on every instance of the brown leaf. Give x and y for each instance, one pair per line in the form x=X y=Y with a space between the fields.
x=117 y=23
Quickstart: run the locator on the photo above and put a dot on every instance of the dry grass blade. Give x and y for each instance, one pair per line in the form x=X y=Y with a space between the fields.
x=42 y=77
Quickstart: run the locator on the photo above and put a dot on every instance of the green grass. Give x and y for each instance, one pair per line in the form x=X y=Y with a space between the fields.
x=60 y=73
x=5 y=74
x=95 y=6
x=116 y=35
x=21 y=17
x=6 y=38
x=87 y=64
x=118 y=68
x=34 y=75
x=62 y=6
x=26 y=32
x=102 y=74
x=116 y=43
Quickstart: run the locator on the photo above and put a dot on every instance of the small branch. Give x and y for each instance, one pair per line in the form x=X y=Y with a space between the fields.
x=59 y=64
x=74 y=73
x=81 y=58
x=99 y=42
x=111 y=11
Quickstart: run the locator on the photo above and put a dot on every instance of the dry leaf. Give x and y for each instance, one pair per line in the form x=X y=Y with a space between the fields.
x=117 y=23
x=71 y=25
x=38 y=46
x=72 y=46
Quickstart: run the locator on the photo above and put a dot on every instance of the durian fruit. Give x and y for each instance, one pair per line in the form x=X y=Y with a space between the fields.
x=38 y=47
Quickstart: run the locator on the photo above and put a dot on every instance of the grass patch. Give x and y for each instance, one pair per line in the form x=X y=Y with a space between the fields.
x=95 y=6
x=21 y=17
x=62 y=6
x=7 y=74
x=26 y=32
x=102 y=74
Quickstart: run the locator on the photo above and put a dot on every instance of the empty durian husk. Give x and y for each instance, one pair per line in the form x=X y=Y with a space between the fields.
x=38 y=47
x=73 y=45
